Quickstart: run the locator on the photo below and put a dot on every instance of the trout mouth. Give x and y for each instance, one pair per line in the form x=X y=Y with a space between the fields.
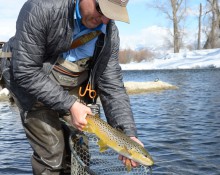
x=150 y=161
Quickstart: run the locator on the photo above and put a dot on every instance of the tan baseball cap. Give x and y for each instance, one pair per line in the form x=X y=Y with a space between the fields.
x=115 y=9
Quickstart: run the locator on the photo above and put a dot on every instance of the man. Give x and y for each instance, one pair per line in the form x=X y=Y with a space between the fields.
x=59 y=46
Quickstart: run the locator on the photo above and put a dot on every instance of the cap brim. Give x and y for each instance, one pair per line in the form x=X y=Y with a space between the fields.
x=114 y=11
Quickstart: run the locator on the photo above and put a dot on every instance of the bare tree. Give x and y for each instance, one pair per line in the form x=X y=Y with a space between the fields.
x=174 y=11
x=143 y=55
x=199 y=32
x=128 y=55
x=213 y=37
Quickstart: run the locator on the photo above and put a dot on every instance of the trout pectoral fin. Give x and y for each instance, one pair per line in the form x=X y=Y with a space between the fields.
x=126 y=151
x=128 y=165
x=102 y=146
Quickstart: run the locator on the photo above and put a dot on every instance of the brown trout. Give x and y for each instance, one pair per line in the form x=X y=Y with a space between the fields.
x=118 y=141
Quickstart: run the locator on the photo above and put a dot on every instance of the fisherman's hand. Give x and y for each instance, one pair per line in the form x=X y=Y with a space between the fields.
x=126 y=160
x=78 y=113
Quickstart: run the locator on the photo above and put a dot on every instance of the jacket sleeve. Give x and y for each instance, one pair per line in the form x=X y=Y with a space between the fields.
x=29 y=54
x=112 y=92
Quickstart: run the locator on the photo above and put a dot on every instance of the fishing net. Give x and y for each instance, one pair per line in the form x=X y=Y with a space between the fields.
x=87 y=160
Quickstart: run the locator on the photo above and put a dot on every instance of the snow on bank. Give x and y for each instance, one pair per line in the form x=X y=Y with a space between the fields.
x=184 y=60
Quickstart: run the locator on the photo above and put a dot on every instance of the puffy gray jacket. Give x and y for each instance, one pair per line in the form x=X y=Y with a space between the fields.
x=43 y=31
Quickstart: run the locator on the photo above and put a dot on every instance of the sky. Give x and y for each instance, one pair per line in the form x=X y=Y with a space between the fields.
x=148 y=27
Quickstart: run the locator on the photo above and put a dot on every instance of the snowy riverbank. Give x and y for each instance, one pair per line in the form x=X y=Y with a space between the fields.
x=184 y=60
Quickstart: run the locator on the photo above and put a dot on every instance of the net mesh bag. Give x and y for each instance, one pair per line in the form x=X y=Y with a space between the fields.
x=86 y=159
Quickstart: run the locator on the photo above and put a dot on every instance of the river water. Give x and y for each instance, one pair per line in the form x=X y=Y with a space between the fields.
x=180 y=128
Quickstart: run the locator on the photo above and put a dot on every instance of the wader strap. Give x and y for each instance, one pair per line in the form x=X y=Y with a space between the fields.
x=84 y=39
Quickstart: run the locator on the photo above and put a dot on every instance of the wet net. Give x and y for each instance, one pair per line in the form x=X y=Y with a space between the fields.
x=87 y=160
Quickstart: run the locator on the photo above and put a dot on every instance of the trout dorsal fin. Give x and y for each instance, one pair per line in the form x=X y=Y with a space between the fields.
x=120 y=130
x=97 y=115
x=102 y=145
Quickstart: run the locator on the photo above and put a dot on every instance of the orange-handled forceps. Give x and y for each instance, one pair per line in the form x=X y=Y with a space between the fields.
x=92 y=93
